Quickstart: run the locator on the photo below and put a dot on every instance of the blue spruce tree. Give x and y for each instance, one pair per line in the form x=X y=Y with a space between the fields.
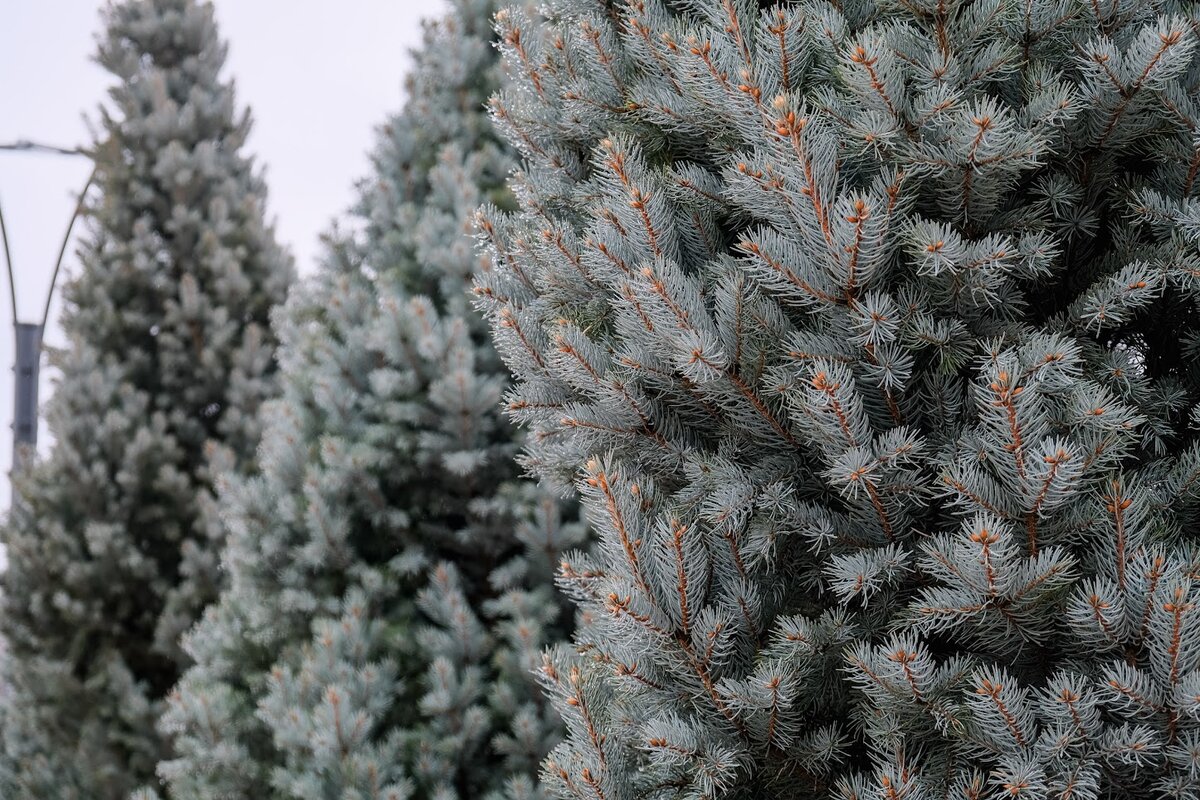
x=868 y=333
x=112 y=540
x=390 y=577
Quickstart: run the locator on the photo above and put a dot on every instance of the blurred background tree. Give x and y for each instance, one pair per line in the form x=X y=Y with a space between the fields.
x=112 y=541
x=390 y=575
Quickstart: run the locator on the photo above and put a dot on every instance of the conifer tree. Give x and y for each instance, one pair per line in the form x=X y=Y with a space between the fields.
x=390 y=577
x=868 y=333
x=111 y=541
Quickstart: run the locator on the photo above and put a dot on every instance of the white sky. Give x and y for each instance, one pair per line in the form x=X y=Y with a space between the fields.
x=319 y=76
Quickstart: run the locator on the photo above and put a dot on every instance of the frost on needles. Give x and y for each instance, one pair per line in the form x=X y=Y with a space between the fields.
x=113 y=538
x=868 y=334
x=390 y=574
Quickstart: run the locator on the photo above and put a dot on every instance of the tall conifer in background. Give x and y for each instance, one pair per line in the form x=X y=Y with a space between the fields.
x=111 y=546
x=869 y=331
x=390 y=578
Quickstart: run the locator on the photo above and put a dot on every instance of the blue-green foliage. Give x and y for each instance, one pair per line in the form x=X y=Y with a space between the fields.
x=867 y=332
x=390 y=576
x=112 y=539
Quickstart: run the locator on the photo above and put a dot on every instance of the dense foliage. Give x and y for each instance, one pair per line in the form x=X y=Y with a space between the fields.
x=867 y=332
x=390 y=576
x=113 y=539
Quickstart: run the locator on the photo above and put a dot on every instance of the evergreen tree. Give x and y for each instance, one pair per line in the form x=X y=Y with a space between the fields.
x=868 y=333
x=390 y=577
x=111 y=541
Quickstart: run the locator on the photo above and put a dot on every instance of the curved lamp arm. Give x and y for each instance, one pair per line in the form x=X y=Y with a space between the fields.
x=62 y=251
x=29 y=335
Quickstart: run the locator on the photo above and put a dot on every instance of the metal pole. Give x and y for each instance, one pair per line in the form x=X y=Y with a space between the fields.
x=28 y=335
x=25 y=400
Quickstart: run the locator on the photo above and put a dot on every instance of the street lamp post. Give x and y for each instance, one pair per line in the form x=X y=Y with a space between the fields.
x=28 y=335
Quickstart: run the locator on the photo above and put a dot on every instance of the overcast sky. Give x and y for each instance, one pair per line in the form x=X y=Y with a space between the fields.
x=319 y=75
